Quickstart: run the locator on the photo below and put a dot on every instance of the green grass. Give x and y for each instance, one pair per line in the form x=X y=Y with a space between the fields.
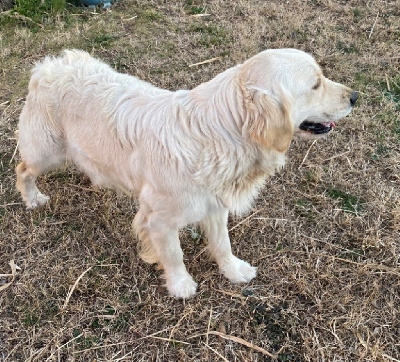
x=210 y=34
x=104 y=39
x=40 y=11
x=148 y=16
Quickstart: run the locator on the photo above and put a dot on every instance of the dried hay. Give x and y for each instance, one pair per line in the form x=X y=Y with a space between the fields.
x=324 y=233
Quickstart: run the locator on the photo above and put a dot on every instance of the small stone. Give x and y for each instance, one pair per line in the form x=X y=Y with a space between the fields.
x=247 y=293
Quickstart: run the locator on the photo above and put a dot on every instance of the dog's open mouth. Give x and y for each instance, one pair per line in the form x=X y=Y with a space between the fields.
x=317 y=128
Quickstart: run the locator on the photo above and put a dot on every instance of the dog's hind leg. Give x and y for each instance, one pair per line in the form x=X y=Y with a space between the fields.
x=41 y=151
x=216 y=230
x=26 y=176
x=147 y=252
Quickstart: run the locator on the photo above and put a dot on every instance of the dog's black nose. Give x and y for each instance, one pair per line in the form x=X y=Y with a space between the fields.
x=353 y=98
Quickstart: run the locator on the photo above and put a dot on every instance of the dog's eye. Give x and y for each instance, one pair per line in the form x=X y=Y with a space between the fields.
x=316 y=86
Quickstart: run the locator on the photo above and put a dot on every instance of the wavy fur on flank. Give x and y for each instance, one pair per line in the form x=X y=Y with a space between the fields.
x=190 y=156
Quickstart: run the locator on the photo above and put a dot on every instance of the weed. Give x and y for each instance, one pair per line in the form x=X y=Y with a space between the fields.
x=311 y=176
x=346 y=47
x=149 y=16
x=358 y=14
x=96 y=324
x=353 y=255
x=381 y=151
x=30 y=319
x=122 y=322
x=303 y=209
x=109 y=310
x=195 y=10
x=85 y=342
x=195 y=233
x=208 y=29
x=394 y=93
x=349 y=203
x=277 y=322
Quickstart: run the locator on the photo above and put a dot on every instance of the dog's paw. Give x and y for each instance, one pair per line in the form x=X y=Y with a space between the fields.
x=237 y=270
x=41 y=198
x=38 y=200
x=181 y=286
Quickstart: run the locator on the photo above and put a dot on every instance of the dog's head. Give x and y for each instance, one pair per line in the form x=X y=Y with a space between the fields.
x=285 y=92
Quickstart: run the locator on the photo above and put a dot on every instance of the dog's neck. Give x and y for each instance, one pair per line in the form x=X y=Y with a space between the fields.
x=219 y=104
x=235 y=168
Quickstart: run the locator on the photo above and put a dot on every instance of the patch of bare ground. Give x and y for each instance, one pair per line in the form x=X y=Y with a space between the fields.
x=324 y=232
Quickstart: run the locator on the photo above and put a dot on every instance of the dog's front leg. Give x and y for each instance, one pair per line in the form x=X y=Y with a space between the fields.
x=216 y=230
x=165 y=241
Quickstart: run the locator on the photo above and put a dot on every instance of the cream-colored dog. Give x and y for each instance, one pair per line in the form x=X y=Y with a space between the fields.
x=190 y=156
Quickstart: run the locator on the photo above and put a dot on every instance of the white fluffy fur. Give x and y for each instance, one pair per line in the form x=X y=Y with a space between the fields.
x=190 y=156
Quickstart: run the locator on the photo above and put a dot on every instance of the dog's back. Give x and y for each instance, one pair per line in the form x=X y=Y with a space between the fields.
x=64 y=93
x=77 y=72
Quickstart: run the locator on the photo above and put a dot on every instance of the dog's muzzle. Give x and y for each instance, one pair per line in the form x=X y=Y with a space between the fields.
x=317 y=128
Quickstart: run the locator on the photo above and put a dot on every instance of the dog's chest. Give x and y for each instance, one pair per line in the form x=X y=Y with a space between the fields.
x=239 y=191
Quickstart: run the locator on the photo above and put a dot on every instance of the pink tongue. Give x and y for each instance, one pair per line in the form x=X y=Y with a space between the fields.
x=332 y=124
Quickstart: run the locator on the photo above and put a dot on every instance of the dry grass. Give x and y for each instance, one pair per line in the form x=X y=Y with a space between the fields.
x=324 y=233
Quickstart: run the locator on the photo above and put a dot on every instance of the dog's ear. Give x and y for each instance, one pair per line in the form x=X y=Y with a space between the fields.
x=266 y=109
x=267 y=118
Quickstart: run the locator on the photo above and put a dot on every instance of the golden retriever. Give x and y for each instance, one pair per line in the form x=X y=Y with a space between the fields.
x=189 y=156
